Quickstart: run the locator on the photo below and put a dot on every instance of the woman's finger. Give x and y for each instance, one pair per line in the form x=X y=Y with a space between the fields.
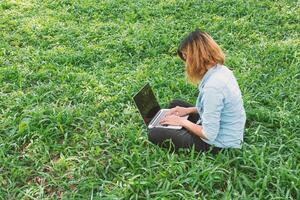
x=163 y=120
x=170 y=112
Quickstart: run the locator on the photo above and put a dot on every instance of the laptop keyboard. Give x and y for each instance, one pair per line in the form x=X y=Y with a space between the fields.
x=162 y=115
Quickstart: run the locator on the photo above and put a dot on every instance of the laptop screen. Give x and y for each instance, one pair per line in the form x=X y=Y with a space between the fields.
x=146 y=103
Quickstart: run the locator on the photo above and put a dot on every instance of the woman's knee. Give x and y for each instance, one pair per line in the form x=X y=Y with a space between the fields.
x=176 y=102
x=161 y=137
x=179 y=138
x=155 y=135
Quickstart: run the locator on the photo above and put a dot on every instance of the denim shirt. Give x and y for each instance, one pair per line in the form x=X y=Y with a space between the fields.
x=221 y=110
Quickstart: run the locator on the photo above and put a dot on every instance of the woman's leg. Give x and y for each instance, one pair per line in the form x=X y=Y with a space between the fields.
x=180 y=138
x=177 y=102
x=200 y=145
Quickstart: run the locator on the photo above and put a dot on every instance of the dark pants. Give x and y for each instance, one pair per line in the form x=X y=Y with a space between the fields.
x=180 y=138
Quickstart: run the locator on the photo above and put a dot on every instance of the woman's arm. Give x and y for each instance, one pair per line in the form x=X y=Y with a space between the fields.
x=194 y=128
x=213 y=104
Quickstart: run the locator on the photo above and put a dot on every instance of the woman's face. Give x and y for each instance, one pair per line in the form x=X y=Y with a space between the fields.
x=182 y=55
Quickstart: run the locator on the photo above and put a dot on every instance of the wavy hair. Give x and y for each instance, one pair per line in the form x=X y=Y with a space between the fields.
x=199 y=50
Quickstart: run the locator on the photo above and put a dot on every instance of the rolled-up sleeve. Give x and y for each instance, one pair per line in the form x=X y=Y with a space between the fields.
x=213 y=103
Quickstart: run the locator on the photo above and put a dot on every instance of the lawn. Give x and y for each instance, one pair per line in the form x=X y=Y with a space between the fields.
x=69 y=128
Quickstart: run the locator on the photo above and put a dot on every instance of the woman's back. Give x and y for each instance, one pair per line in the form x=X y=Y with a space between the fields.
x=219 y=92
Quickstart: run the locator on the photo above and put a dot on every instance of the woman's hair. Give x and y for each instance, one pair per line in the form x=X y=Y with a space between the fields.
x=200 y=50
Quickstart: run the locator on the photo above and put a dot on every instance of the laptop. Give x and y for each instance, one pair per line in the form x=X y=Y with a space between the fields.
x=150 y=110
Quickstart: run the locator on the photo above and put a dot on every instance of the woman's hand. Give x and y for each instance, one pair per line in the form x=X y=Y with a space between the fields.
x=179 y=111
x=179 y=121
x=172 y=120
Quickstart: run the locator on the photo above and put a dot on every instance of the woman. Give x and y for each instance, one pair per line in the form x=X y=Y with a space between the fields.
x=218 y=119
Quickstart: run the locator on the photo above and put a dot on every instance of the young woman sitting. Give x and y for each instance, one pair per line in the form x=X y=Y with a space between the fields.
x=217 y=120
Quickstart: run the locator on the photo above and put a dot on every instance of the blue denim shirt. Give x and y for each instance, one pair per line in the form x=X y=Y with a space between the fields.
x=221 y=109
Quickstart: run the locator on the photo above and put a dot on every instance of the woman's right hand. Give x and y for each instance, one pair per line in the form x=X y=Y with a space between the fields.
x=179 y=111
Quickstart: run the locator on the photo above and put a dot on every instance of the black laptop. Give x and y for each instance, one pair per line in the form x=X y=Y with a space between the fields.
x=150 y=110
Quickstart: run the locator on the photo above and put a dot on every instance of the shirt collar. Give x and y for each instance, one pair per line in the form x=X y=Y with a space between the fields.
x=208 y=74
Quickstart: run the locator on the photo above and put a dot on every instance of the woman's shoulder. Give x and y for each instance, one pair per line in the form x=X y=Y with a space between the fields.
x=220 y=78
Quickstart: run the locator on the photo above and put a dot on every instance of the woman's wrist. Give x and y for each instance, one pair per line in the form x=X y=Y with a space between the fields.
x=191 y=110
x=184 y=123
x=193 y=128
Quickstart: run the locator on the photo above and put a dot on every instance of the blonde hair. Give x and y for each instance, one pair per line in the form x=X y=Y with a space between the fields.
x=201 y=51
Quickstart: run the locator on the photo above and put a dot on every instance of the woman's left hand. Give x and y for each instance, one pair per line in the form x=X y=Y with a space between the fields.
x=172 y=120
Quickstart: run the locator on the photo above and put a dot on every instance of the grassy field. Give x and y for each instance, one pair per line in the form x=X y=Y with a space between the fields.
x=69 y=128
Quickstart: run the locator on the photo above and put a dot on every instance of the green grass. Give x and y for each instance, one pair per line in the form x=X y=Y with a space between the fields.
x=68 y=126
